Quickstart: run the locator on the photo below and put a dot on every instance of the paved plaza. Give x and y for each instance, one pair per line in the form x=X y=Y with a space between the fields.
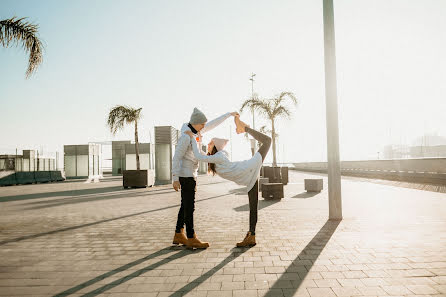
x=97 y=239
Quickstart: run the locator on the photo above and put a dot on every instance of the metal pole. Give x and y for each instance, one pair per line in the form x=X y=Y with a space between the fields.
x=334 y=168
x=253 y=142
x=252 y=97
x=230 y=138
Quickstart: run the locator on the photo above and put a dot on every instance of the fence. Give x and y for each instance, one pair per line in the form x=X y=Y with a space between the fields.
x=27 y=162
x=423 y=170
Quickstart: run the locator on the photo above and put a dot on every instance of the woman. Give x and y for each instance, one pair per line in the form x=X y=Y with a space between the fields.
x=243 y=172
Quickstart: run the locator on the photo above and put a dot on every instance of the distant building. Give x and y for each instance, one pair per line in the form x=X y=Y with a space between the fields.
x=396 y=152
x=426 y=146
x=29 y=160
x=428 y=151
x=405 y=152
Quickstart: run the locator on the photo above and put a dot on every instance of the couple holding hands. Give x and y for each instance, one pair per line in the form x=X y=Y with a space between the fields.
x=185 y=166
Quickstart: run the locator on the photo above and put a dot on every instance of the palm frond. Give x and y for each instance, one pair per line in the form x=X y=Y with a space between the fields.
x=16 y=30
x=248 y=103
x=262 y=106
x=120 y=115
x=282 y=111
x=289 y=95
x=265 y=129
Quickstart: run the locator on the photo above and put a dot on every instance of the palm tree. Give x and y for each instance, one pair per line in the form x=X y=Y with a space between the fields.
x=14 y=31
x=272 y=109
x=120 y=115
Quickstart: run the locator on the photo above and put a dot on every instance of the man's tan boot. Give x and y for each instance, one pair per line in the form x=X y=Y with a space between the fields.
x=249 y=241
x=180 y=238
x=195 y=243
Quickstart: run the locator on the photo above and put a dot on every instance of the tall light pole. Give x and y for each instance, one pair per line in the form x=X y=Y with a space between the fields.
x=334 y=168
x=252 y=97
x=253 y=142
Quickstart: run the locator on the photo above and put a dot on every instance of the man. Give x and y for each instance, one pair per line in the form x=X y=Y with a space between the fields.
x=184 y=174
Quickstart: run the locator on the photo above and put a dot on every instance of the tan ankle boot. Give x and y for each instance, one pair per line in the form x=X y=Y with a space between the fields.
x=239 y=125
x=180 y=238
x=196 y=243
x=249 y=241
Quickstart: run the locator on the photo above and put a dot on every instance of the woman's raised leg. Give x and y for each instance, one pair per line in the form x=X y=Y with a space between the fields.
x=260 y=137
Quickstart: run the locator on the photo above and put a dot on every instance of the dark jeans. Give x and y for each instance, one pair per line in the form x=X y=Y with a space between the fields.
x=253 y=194
x=186 y=213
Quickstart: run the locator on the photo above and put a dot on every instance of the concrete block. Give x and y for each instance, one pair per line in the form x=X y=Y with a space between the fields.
x=272 y=191
x=313 y=184
x=262 y=181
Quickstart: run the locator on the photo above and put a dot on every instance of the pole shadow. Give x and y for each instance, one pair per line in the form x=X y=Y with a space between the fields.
x=132 y=275
x=313 y=248
x=99 y=222
x=236 y=252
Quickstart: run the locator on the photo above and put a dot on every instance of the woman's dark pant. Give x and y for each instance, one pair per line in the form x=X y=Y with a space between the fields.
x=253 y=194
x=186 y=213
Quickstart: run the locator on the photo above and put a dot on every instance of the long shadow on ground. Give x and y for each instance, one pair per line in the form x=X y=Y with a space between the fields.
x=236 y=252
x=120 y=193
x=73 y=193
x=311 y=251
x=262 y=204
x=61 y=193
x=306 y=195
x=101 y=221
x=124 y=279
x=90 y=198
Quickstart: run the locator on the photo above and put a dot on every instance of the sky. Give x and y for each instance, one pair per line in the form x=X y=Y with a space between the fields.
x=171 y=56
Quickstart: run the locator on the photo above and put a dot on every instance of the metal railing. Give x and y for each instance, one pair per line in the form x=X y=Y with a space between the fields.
x=423 y=170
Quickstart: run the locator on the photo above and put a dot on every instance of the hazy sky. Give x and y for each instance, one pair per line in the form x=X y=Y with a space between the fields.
x=170 y=56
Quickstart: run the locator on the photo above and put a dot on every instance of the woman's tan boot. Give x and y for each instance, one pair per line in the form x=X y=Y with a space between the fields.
x=180 y=238
x=195 y=243
x=239 y=125
x=249 y=241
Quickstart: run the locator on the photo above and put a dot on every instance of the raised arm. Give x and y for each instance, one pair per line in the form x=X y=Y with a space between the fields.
x=215 y=122
x=201 y=156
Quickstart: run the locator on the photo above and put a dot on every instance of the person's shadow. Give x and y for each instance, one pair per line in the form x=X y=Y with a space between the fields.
x=313 y=248
x=104 y=288
x=235 y=252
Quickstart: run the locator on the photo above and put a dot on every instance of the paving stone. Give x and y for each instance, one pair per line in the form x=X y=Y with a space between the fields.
x=321 y=292
x=422 y=289
x=396 y=290
x=346 y=291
